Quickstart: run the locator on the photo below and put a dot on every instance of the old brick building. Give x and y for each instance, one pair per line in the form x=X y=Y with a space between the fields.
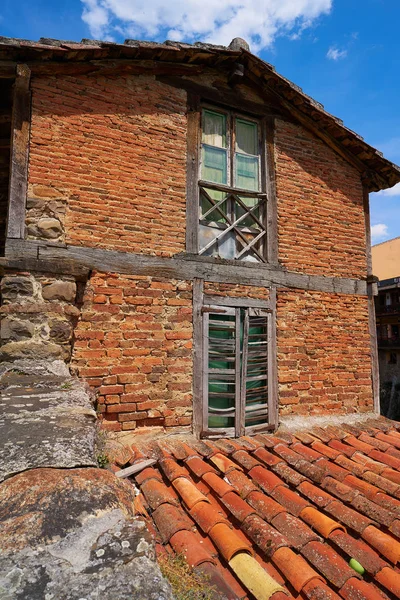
x=188 y=230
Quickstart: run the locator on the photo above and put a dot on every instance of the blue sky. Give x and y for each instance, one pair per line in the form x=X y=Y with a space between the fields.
x=344 y=53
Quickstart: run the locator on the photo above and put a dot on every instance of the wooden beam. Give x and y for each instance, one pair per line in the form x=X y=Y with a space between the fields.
x=185 y=266
x=225 y=97
x=192 y=172
x=197 y=356
x=272 y=211
x=20 y=127
x=371 y=307
x=7 y=69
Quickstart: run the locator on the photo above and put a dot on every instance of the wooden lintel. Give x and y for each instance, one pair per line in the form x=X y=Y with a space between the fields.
x=113 y=67
x=224 y=97
x=19 y=154
x=186 y=266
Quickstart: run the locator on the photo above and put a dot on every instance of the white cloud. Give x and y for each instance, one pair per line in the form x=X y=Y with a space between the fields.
x=393 y=191
x=379 y=232
x=258 y=21
x=336 y=54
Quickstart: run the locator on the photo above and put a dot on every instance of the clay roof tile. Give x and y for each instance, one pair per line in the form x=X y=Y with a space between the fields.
x=295 y=531
x=265 y=479
x=328 y=562
x=384 y=543
x=206 y=516
x=188 y=491
x=354 y=589
x=189 y=544
x=292 y=501
x=223 y=463
x=267 y=538
x=237 y=507
x=169 y=520
x=266 y=507
x=198 y=466
x=242 y=484
x=295 y=569
x=359 y=550
x=218 y=485
x=267 y=457
x=156 y=493
x=227 y=541
x=390 y=579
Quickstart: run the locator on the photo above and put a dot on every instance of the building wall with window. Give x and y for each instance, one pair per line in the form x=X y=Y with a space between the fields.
x=218 y=244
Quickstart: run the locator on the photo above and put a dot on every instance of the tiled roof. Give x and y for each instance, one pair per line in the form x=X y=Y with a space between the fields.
x=303 y=505
x=91 y=54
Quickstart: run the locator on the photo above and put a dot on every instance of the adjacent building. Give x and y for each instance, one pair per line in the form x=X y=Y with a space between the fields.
x=386 y=266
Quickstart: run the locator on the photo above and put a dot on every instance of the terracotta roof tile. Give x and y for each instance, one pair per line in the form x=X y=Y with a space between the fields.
x=157 y=493
x=325 y=450
x=328 y=562
x=290 y=500
x=198 y=466
x=306 y=452
x=295 y=531
x=358 y=444
x=317 y=590
x=391 y=475
x=245 y=460
x=384 y=543
x=332 y=469
x=348 y=516
x=169 y=520
x=339 y=489
x=227 y=541
x=224 y=464
x=237 y=507
x=188 y=491
x=315 y=494
x=358 y=549
x=342 y=448
x=278 y=495
x=146 y=474
x=266 y=507
x=390 y=579
x=377 y=444
x=263 y=535
x=171 y=469
x=265 y=479
x=320 y=522
x=294 y=568
x=354 y=589
x=288 y=474
x=221 y=581
x=267 y=457
x=372 y=510
x=191 y=547
x=385 y=458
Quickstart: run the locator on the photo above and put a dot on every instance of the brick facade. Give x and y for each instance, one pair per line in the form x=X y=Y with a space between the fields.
x=114 y=151
x=107 y=170
x=324 y=355
x=321 y=226
x=134 y=345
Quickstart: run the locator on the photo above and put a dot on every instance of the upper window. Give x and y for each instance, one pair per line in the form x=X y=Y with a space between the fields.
x=232 y=211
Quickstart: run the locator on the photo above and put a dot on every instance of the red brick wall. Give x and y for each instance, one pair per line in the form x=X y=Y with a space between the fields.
x=116 y=150
x=320 y=207
x=134 y=345
x=324 y=359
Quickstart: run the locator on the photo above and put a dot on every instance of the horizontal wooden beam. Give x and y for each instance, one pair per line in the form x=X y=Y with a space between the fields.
x=185 y=266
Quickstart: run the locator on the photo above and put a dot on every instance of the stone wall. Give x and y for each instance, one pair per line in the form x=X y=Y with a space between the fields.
x=134 y=345
x=38 y=315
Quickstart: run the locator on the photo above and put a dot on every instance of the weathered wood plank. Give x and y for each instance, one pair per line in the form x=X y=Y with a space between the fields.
x=192 y=166
x=186 y=266
x=197 y=355
x=143 y=464
x=273 y=399
x=236 y=302
x=272 y=213
x=20 y=127
x=371 y=307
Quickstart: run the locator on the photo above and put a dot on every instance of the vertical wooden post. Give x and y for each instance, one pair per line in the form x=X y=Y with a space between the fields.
x=192 y=172
x=273 y=399
x=197 y=357
x=272 y=218
x=371 y=306
x=19 y=154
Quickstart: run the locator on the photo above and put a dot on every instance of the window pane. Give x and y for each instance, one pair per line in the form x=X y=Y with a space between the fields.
x=246 y=172
x=214 y=129
x=221 y=366
x=246 y=137
x=214 y=164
